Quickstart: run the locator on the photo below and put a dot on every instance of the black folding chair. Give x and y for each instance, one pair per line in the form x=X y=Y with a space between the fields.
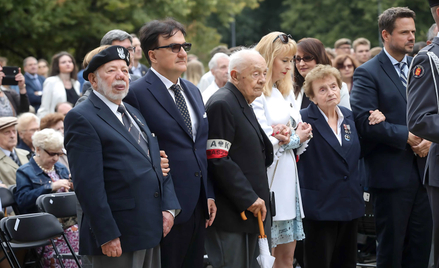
x=60 y=205
x=8 y=200
x=34 y=228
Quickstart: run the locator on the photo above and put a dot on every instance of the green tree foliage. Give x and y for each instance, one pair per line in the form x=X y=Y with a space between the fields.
x=42 y=28
x=329 y=20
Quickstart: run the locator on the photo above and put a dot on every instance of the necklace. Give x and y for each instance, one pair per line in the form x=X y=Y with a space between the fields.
x=43 y=169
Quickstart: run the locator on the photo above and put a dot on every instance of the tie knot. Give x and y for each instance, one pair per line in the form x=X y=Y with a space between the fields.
x=176 y=88
x=121 y=109
x=402 y=65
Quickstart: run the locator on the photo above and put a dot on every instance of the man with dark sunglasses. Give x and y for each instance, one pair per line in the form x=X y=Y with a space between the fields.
x=174 y=111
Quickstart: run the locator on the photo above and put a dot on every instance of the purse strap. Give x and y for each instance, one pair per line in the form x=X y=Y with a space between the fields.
x=274 y=174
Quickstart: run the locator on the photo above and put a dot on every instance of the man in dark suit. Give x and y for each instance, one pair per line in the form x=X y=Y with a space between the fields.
x=34 y=82
x=394 y=157
x=238 y=153
x=174 y=111
x=423 y=117
x=115 y=165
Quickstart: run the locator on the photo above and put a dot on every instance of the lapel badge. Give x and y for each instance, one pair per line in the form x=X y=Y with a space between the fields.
x=347 y=129
x=418 y=71
x=347 y=137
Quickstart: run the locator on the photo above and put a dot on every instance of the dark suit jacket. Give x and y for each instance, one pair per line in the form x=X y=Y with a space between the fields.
x=143 y=69
x=238 y=154
x=328 y=172
x=122 y=193
x=31 y=88
x=386 y=153
x=187 y=159
x=422 y=107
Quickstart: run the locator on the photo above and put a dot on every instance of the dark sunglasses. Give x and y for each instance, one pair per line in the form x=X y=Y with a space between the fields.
x=177 y=47
x=53 y=154
x=283 y=38
x=306 y=58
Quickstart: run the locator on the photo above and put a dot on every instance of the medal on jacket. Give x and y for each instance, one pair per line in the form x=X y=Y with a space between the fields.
x=347 y=131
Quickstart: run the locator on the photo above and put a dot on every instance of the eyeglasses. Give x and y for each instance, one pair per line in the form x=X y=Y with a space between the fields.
x=307 y=58
x=349 y=66
x=177 y=47
x=53 y=154
x=131 y=49
x=283 y=38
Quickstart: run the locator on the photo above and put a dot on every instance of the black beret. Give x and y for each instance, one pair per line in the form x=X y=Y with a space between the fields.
x=106 y=55
x=433 y=3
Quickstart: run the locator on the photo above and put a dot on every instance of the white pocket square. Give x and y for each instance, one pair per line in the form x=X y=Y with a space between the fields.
x=204 y=115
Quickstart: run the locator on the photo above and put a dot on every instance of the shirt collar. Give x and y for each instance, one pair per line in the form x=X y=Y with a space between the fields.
x=35 y=76
x=113 y=106
x=7 y=153
x=339 y=113
x=166 y=81
x=393 y=60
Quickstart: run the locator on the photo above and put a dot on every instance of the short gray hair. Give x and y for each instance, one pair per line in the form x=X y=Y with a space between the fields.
x=27 y=59
x=432 y=32
x=48 y=139
x=25 y=119
x=213 y=63
x=115 y=35
x=238 y=59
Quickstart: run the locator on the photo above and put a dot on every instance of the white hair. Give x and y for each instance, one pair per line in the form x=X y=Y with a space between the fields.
x=48 y=139
x=25 y=119
x=213 y=63
x=239 y=59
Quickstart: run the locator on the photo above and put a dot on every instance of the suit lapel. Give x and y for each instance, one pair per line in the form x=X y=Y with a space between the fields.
x=347 y=138
x=160 y=92
x=324 y=129
x=8 y=160
x=107 y=116
x=246 y=109
x=389 y=69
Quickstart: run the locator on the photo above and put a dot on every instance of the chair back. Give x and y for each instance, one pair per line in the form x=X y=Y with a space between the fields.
x=60 y=205
x=31 y=227
x=6 y=197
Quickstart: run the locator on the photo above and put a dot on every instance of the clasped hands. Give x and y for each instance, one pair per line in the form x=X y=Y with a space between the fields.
x=419 y=145
x=283 y=132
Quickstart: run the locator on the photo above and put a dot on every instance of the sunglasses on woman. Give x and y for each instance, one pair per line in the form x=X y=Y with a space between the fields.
x=53 y=154
x=283 y=38
x=177 y=47
x=307 y=58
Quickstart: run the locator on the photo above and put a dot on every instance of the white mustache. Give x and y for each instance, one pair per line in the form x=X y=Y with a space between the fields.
x=119 y=83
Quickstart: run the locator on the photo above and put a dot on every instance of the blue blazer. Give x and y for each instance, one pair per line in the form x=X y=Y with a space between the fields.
x=388 y=157
x=328 y=172
x=122 y=192
x=33 y=182
x=31 y=87
x=187 y=159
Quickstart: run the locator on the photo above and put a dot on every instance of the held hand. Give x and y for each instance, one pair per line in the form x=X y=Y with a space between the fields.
x=282 y=133
x=112 y=248
x=413 y=140
x=168 y=222
x=422 y=148
x=376 y=117
x=212 y=212
x=258 y=205
x=61 y=183
x=164 y=163
x=304 y=131
x=21 y=81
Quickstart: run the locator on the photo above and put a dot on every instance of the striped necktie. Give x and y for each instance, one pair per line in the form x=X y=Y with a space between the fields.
x=182 y=106
x=402 y=76
x=133 y=130
x=15 y=158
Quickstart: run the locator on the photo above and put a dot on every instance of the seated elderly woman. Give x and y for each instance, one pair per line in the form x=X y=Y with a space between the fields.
x=56 y=121
x=27 y=124
x=43 y=175
x=329 y=176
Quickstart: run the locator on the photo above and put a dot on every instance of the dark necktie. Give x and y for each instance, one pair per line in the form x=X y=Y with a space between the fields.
x=402 y=76
x=15 y=158
x=182 y=107
x=132 y=129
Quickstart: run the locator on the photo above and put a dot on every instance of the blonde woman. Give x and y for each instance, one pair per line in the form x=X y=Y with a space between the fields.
x=281 y=121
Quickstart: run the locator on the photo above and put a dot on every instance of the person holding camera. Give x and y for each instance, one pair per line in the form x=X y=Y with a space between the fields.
x=12 y=103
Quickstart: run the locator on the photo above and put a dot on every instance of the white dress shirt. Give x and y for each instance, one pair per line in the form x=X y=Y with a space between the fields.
x=339 y=122
x=210 y=90
x=168 y=84
x=395 y=64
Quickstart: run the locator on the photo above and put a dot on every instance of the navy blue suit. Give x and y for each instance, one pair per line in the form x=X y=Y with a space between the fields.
x=394 y=171
x=122 y=192
x=331 y=192
x=187 y=158
x=31 y=87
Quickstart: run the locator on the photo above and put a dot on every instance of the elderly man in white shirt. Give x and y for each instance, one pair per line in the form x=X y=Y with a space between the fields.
x=218 y=65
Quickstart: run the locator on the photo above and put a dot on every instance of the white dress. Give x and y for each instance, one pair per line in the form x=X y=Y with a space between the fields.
x=282 y=174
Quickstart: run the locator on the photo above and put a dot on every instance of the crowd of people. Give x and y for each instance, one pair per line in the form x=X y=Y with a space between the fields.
x=165 y=161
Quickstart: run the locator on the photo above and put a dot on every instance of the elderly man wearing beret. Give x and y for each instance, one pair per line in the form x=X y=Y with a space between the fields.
x=10 y=157
x=114 y=159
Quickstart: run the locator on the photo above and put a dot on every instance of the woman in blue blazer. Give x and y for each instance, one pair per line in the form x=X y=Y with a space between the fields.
x=328 y=173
